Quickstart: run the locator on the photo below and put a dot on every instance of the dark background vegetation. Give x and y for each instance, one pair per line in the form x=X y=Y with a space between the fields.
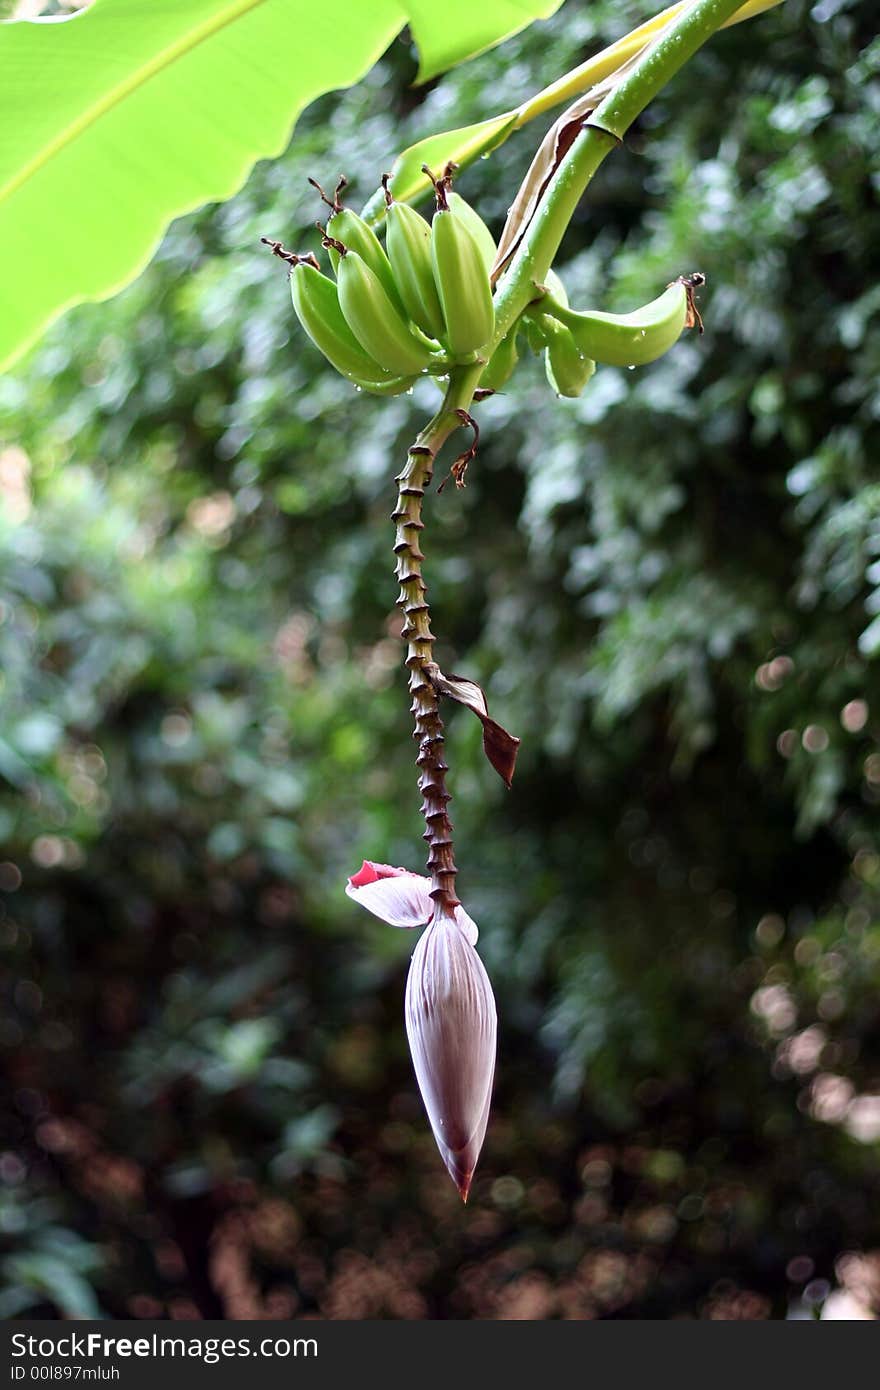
x=670 y=591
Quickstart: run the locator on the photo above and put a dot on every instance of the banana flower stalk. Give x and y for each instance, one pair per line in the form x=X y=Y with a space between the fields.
x=451 y=1020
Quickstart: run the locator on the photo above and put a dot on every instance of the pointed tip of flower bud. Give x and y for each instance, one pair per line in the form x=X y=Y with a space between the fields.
x=461 y=1178
x=461 y=1163
x=460 y=1166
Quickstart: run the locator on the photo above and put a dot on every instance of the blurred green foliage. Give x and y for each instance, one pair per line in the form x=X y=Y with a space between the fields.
x=671 y=591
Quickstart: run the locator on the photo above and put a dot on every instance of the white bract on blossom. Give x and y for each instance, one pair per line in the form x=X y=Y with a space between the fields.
x=451 y=1020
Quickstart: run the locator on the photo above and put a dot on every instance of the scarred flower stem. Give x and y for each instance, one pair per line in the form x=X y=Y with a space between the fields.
x=412 y=482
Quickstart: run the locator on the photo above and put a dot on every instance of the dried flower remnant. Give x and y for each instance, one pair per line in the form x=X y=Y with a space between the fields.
x=499 y=746
x=451 y=1019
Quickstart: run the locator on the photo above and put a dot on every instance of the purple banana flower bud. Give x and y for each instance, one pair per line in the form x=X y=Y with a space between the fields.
x=451 y=1021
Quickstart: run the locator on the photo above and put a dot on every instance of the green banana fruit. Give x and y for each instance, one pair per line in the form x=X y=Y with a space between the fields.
x=476 y=226
x=566 y=367
x=316 y=301
x=502 y=362
x=345 y=226
x=408 y=239
x=631 y=340
x=534 y=323
x=374 y=319
x=462 y=283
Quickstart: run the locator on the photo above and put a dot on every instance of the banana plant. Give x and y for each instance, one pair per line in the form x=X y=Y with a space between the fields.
x=440 y=300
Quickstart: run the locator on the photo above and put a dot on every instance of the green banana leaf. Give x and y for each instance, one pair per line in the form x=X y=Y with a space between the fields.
x=132 y=112
x=464 y=145
x=447 y=31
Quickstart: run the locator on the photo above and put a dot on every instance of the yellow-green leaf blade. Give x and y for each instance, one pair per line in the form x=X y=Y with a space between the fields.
x=129 y=114
x=467 y=28
x=408 y=183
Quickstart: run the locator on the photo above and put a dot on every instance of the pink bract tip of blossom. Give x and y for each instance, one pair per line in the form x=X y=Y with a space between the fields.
x=370 y=872
x=400 y=898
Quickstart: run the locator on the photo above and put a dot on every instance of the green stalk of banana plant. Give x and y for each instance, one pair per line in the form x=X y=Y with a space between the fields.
x=591 y=80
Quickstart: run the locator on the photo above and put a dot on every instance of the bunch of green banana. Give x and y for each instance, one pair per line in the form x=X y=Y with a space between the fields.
x=629 y=340
x=572 y=341
x=423 y=303
x=418 y=305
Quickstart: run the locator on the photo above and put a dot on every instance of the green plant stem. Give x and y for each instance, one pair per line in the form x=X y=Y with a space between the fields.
x=412 y=482
x=602 y=65
x=607 y=126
